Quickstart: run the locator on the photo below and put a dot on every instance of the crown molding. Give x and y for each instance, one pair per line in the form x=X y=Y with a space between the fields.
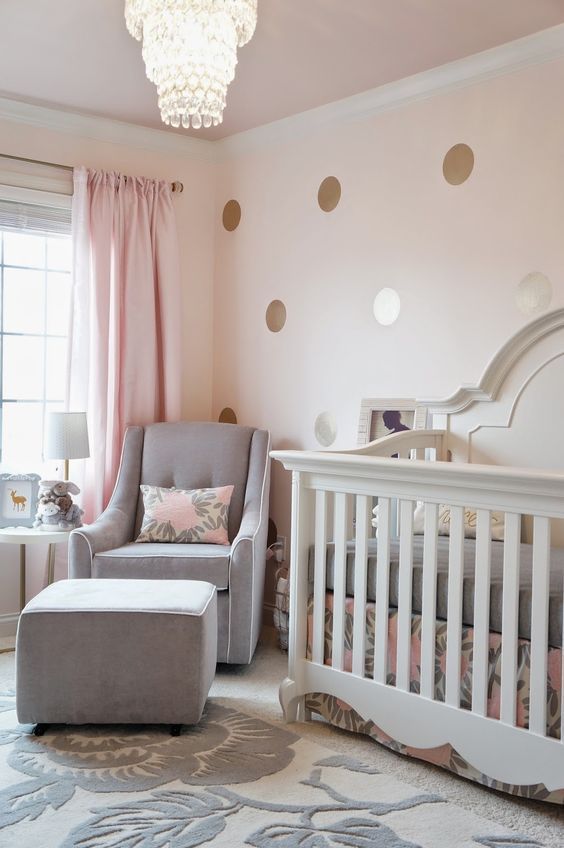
x=541 y=47
x=105 y=129
x=535 y=49
x=500 y=365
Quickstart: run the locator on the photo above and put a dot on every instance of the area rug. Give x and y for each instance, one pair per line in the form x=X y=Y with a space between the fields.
x=233 y=780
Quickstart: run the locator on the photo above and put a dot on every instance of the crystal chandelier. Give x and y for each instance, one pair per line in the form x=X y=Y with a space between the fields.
x=190 y=53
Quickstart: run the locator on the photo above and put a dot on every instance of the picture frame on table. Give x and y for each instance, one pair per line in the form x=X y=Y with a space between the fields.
x=383 y=416
x=18 y=499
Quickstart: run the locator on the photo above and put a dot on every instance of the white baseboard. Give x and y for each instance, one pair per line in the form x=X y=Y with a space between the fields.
x=8 y=624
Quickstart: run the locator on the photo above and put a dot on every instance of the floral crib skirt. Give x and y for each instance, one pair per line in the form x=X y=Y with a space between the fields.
x=341 y=715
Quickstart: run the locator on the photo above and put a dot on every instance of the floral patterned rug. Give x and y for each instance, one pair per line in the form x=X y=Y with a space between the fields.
x=233 y=781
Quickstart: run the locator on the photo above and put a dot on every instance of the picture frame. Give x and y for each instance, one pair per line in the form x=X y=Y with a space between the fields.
x=18 y=499
x=382 y=416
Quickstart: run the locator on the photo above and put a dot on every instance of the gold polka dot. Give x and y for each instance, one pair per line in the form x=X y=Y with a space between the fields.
x=329 y=194
x=275 y=316
x=227 y=416
x=458 y=164
x=231 y=215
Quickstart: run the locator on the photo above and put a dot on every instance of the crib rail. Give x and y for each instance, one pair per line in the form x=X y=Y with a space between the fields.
x=330 y=488
x=409 y=444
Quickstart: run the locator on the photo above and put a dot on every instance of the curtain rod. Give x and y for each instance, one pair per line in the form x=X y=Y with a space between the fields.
x=175 y=186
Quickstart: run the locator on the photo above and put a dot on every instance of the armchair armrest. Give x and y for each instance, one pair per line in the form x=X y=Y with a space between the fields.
x=115 y=525
x=250 y=526
x=111 y=530
x=248 y=555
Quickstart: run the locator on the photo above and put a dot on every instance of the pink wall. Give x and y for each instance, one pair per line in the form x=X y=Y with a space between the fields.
x=454 y=254
x=195 y=215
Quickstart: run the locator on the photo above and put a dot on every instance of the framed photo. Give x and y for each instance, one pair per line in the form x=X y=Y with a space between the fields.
x=383 y=416
x=18 y=499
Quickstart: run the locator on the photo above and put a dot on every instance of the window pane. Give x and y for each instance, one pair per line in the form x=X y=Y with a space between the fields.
x=59 y=253
x=55 y=369
x=58 y=303
x=36 y=293
x=24 y=249
x=22 y=368
x=24 y=293
x=22 y=433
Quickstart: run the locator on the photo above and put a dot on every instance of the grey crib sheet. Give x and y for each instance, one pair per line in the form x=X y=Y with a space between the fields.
x=525 y=592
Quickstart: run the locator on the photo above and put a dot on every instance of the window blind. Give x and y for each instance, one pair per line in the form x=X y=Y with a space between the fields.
x=34 y=218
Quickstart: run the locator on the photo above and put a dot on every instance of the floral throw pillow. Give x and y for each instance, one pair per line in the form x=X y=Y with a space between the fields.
x=185 y=515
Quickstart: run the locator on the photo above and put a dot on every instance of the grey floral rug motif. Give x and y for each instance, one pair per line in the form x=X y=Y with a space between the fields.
x=233 y=780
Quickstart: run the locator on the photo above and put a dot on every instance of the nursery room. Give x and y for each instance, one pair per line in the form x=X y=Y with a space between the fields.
x=281 y=460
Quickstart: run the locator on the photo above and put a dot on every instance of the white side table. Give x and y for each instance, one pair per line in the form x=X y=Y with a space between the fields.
x=23 y=536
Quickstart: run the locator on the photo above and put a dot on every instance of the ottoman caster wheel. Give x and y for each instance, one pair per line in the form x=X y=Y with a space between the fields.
x=175 y=729
x=40 y=729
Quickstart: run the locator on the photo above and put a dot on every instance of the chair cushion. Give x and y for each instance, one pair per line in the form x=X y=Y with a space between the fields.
x=197 y=455
x=161 y=561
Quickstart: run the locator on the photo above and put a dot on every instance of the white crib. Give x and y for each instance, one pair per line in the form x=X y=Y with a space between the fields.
x=331 y=491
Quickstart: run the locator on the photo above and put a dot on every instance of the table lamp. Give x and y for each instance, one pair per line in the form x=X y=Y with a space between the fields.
x=66 y=437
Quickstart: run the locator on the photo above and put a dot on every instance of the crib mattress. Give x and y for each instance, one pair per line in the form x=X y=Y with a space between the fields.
x=496 y=592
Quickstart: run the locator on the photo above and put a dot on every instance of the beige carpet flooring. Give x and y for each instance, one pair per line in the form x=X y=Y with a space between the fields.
x=254 y=690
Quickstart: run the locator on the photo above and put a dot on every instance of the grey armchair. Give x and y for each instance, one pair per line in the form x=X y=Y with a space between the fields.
x=190 y=456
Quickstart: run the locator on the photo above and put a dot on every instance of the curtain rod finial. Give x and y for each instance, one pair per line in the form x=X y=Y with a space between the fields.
x=178 y=187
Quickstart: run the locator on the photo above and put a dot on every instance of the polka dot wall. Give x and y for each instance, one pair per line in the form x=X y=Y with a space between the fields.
x=533 y=293
x=388 y=258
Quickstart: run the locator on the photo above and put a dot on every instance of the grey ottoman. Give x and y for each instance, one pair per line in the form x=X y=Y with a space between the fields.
x=116 y=652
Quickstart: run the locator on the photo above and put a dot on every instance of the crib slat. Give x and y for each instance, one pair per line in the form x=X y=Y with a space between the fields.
x=539 y=624
x=382 y=591
x=454 y=609
x=363 y=514
x=480 y=671
x=320 y=576
x=405 y=587
x=509 y=619
x=429 y=606
x=339 y=580
x=302 y=515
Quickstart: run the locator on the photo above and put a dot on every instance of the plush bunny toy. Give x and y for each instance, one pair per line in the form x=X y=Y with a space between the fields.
x=56 y=509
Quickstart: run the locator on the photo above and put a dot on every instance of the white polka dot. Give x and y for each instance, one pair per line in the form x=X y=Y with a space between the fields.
x=534 y=293
x=325 y=429
x=387 y=306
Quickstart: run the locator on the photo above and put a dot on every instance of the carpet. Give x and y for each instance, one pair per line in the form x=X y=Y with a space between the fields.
x=233 y=780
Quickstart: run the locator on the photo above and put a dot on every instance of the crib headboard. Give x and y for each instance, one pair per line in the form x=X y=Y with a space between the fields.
x=515 y=414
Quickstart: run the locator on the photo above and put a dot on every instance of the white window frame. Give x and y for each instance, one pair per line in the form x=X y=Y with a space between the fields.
x=28 y=196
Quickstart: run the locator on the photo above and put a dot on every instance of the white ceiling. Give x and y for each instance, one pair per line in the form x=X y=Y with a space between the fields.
x=77 y=54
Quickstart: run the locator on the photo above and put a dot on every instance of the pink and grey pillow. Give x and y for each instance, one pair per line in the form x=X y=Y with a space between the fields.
x=185 y=515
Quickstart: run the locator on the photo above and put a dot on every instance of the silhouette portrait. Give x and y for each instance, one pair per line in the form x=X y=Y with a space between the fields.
x=386 y=422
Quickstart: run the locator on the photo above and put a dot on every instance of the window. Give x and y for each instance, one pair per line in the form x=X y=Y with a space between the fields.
x=35 y=287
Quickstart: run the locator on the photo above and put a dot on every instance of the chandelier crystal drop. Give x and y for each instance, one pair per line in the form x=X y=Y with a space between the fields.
x=190 y=53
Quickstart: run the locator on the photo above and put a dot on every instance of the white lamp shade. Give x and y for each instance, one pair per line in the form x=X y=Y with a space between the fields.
x=66 y=436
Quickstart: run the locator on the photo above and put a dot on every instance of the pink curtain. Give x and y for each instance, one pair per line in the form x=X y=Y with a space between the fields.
x=124 y=350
